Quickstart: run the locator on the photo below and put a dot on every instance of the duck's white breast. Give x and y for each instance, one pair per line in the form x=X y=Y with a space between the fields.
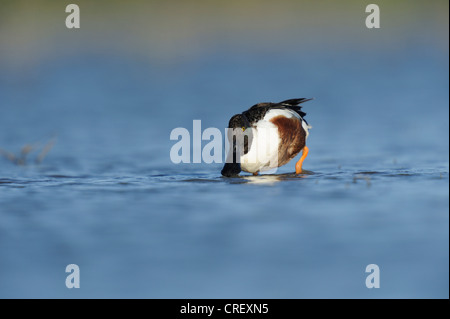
x=263 y=152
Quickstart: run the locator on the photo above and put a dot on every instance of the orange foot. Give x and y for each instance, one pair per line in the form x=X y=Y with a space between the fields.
x=298 y=165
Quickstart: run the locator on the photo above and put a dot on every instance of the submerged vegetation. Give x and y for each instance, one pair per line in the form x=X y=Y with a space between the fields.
x=40 y=150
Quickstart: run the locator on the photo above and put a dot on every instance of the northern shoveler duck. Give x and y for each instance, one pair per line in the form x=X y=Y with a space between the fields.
x=279 y=129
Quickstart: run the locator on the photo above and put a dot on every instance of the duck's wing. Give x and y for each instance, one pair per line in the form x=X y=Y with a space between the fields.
x=293 y=104
x=258 y=111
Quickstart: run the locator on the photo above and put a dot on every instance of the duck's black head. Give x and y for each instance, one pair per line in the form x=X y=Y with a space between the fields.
x=232 y=167
x=239 y=121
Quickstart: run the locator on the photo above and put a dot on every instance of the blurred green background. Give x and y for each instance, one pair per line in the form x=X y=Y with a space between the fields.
x=168 y=32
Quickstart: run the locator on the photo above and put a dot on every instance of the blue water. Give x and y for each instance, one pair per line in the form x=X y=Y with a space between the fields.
x=108 y=198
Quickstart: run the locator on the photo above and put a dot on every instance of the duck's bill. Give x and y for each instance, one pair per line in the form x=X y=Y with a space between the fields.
x=231 y=169
x=232 y=166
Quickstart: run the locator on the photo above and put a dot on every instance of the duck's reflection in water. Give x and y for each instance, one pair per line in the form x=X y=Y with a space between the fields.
x=270 y=179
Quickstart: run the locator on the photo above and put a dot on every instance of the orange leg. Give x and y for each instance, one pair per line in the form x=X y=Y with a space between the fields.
x=298 y=165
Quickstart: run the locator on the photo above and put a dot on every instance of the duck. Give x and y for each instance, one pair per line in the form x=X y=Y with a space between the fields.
x=266 y=136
